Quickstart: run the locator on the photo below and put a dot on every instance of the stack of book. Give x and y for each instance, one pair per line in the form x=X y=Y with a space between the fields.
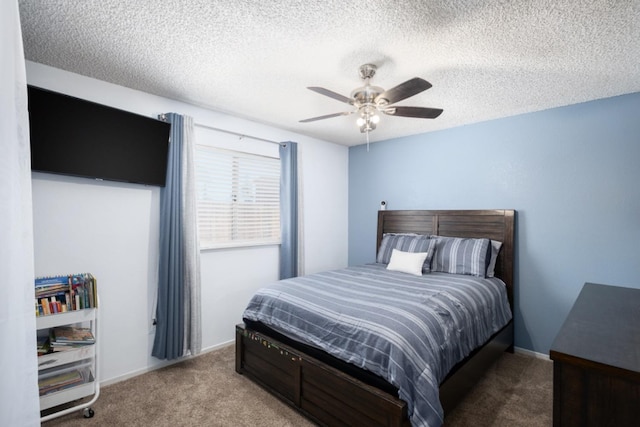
x=63 y=338
x=59 y=294
x=60 y=381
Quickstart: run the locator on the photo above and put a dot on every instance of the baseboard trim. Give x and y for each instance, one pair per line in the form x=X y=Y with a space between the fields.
x=531 y=353
x=163 y=364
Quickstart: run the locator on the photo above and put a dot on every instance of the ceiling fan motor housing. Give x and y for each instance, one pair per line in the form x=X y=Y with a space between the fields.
x=366 y=94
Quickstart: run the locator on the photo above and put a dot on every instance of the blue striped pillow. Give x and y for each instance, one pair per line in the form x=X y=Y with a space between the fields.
x=458 y=255
x=406 y=243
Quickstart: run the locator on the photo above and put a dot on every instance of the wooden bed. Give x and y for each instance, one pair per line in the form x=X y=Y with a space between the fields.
x=326 y=392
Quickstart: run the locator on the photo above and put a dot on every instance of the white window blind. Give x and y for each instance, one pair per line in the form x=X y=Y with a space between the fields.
x=238 y=198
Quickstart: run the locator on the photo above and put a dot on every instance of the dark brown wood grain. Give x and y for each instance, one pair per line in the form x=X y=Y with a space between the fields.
x=596 y=357
x=332 y=397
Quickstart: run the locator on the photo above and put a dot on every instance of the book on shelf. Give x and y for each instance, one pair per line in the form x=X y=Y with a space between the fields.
x=70 y=336
x=60 y=294
x=60 y=382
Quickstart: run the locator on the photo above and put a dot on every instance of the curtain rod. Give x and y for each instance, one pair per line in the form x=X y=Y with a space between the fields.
x=241 y=135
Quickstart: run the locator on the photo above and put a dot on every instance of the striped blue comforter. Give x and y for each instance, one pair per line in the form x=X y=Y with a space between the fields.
x=409 y=330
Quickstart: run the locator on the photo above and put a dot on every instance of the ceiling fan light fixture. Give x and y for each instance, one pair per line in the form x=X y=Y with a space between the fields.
x=367 y=122
x=367 y=127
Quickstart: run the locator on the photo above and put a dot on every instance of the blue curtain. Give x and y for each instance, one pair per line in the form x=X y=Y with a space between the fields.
x=289 y=210
x=169 y=338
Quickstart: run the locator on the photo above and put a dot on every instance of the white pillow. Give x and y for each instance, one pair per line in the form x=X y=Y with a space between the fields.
x=407 y=262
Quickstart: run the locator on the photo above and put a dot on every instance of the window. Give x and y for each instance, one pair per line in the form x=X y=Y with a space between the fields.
x=238 y=198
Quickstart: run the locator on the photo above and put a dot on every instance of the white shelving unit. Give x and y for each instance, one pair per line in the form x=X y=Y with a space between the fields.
x=83 y=359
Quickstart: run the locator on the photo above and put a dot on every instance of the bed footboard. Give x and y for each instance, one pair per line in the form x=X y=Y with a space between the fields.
x=330 y=397
x=322 y=393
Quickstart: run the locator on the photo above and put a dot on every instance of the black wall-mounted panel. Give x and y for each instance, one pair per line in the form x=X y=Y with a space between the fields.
x=71 y=136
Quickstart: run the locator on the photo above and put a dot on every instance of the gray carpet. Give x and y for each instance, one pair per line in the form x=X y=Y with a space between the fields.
x=206 y=391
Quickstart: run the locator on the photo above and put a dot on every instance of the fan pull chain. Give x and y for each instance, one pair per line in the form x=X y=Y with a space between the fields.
x=367 y=132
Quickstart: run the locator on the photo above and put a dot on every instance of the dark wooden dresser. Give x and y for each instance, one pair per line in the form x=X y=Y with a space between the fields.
x=596 y=360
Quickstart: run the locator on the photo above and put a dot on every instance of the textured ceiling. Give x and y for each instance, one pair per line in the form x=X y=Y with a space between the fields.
x=254 y=59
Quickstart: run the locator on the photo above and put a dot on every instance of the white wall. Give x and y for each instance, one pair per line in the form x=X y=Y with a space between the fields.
x=111 y=230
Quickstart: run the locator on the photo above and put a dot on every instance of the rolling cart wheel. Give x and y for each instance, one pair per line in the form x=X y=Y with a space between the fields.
x=88 y=413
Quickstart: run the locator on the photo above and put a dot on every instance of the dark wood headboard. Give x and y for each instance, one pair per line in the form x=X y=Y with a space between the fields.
x=491 y=224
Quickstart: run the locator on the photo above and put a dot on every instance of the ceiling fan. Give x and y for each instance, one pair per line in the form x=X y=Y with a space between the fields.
x=370 y=100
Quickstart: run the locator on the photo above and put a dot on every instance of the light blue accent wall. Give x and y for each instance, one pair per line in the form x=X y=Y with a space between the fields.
x=571 y=173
